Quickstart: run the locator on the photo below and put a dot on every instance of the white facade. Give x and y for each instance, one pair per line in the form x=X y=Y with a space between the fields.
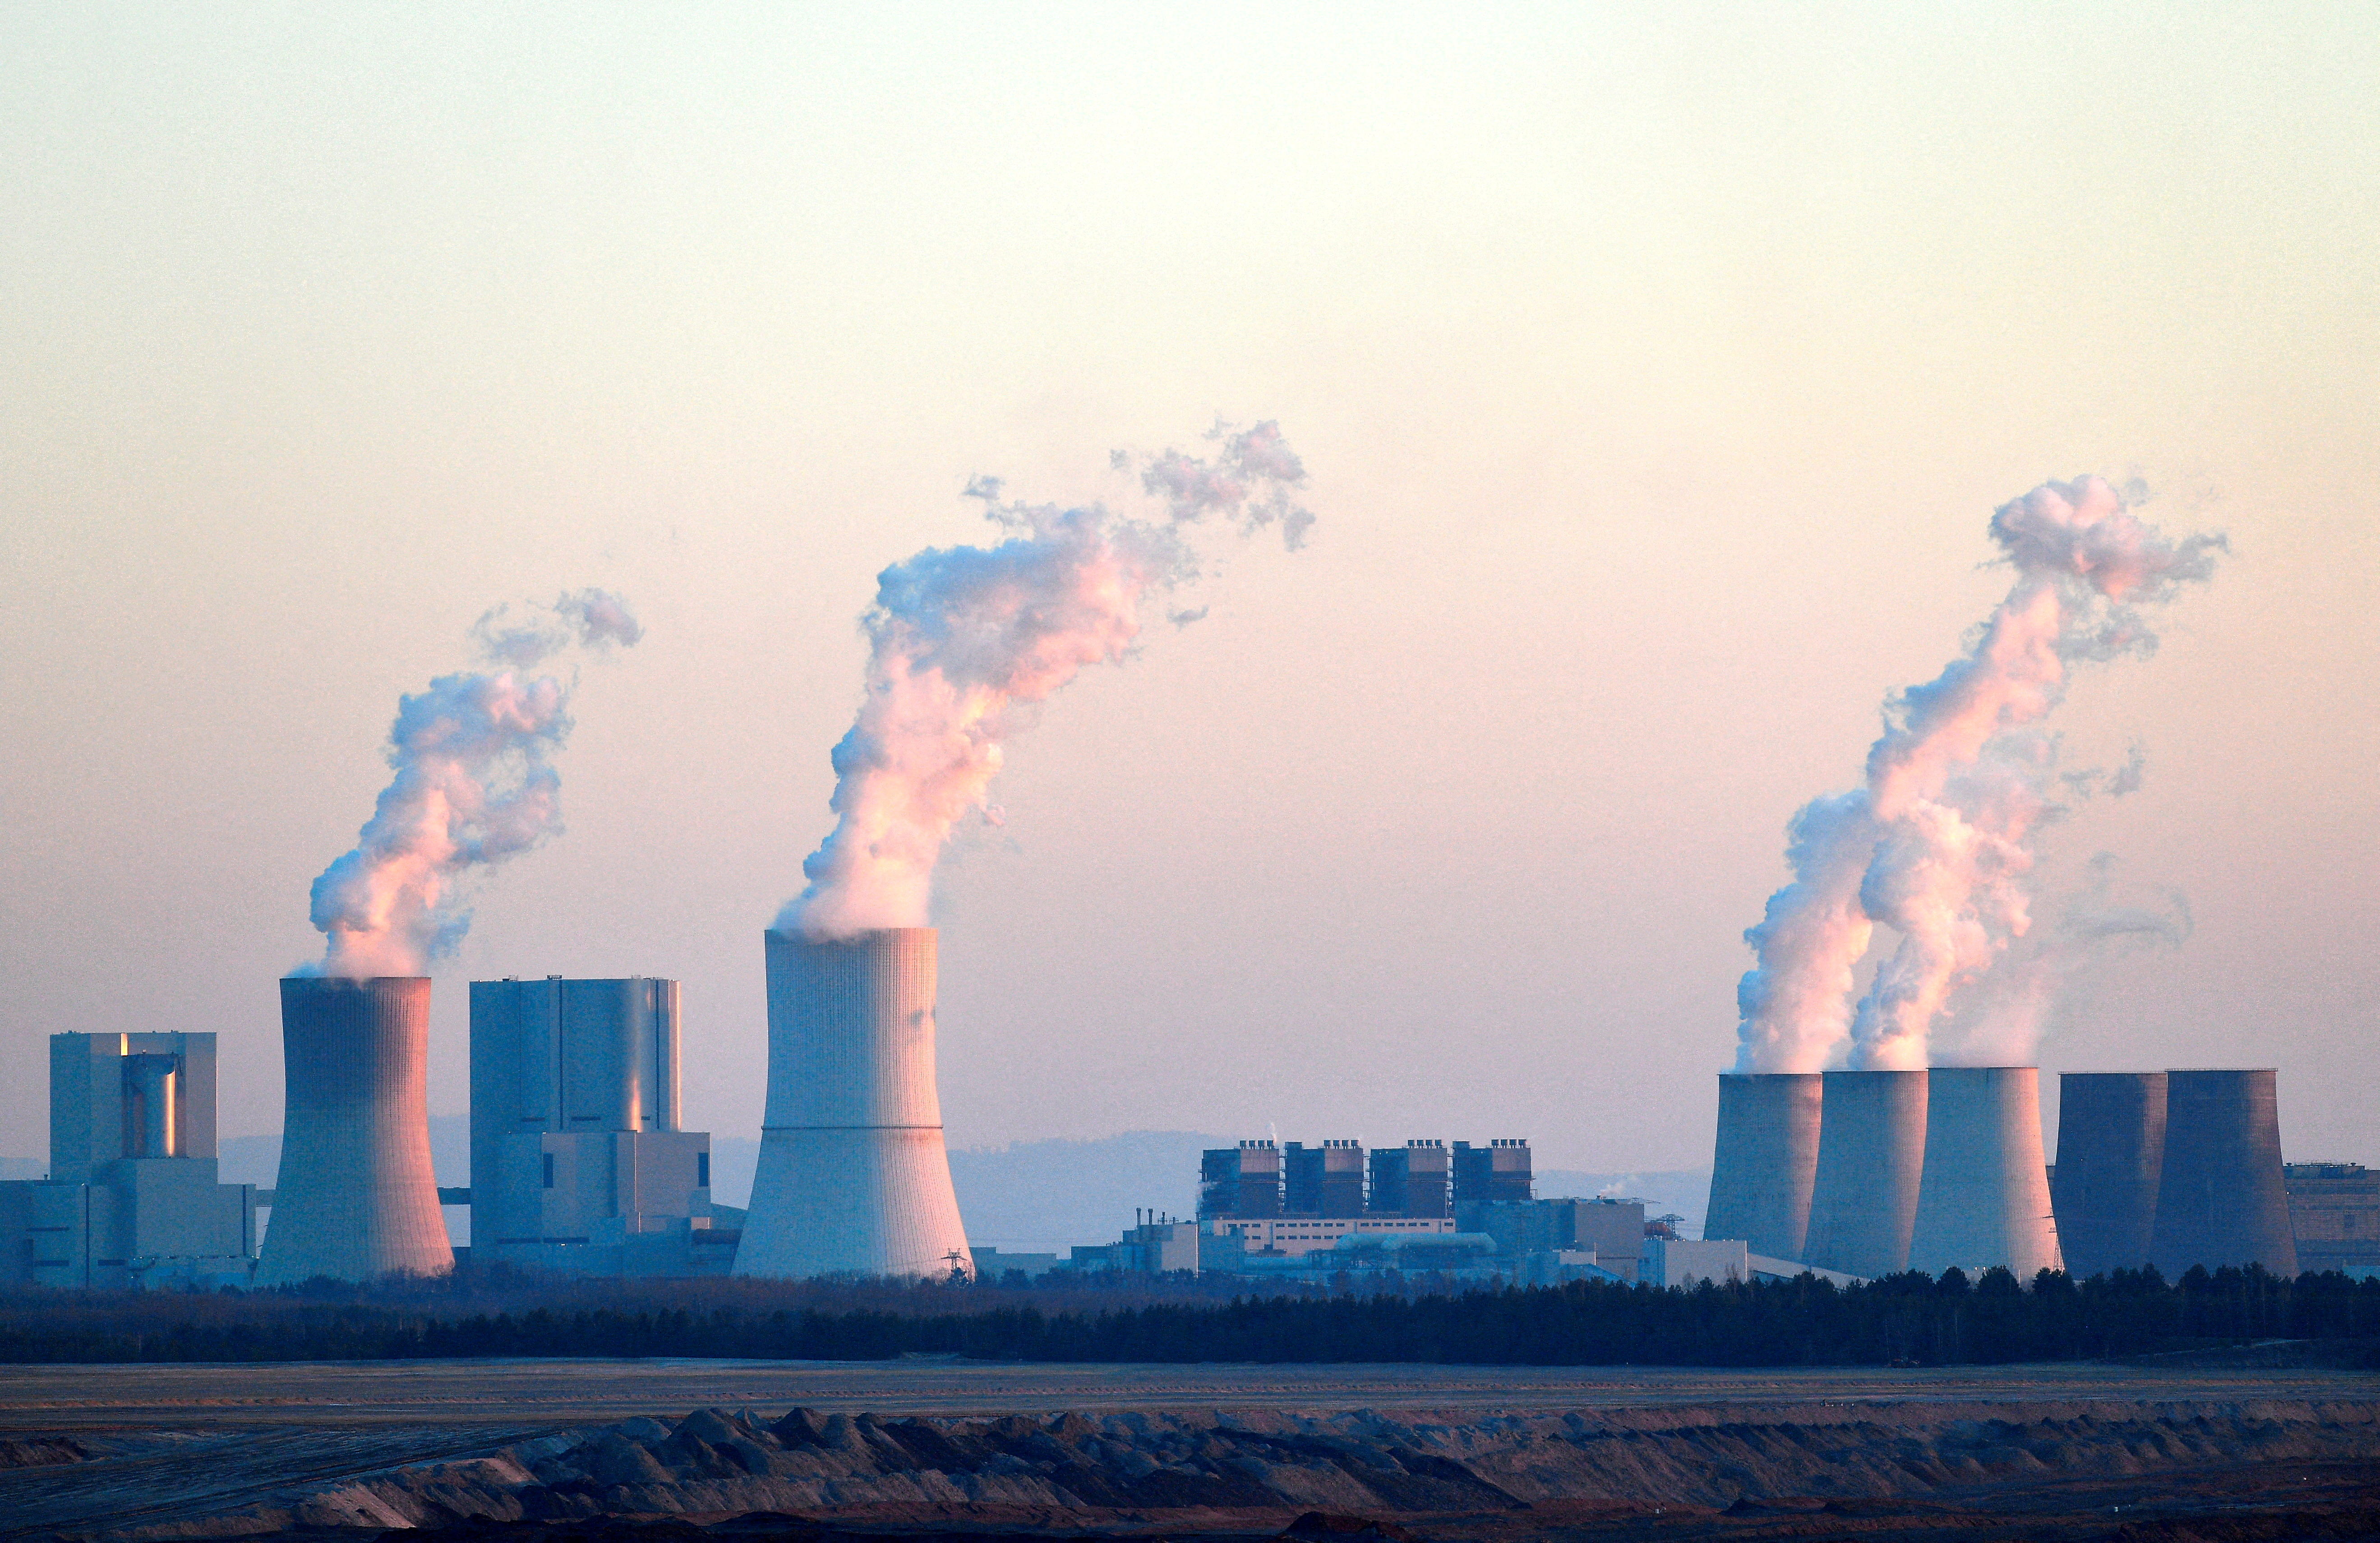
x=1871 y=1157
x=1303 y=1234
x=357 y=1198
x=578 y=1161
x=1668 y=1261
x=1985 y=1199
x=854 y=1178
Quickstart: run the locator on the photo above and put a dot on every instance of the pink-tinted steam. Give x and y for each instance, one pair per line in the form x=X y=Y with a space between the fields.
x=963 y=640
x=474 y=785
x=1934 y=843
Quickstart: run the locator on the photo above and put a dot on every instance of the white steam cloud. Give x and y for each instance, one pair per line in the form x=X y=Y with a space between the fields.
x=474 y=785
x=1934 y=843
x=964 y=641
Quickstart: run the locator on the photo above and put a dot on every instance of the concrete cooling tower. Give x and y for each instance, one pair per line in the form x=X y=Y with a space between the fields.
x=1984 y=1198
x=1766 y=1160
x=1871 y=1153
x=853 y=1176
x=2110 y=1155
x=357 y=1198
x=2219 y=1197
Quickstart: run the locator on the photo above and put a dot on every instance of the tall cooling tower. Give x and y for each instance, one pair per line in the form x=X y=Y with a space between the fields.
x=2110 y=1155
x=357 y=1198
x=1984 y=1196
x=853 y=1176
x=2219 y=1198
x=1871 y=1153
x=1766 y=1160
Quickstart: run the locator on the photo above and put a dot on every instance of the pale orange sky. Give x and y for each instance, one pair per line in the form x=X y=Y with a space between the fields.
x=1657 y=372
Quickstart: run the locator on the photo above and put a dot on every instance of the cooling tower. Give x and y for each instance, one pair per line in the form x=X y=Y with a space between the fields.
x=2110 y=1152
x=357 y=1198
x=853 y=1176
x=1984 y=1196
x=2219 y=1198
x=1871 y=1152
x=1766 y=1160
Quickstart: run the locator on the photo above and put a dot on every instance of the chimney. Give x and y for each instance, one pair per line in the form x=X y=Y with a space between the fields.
x=1871 y=1153
x=854 y=1178
x=357 y=1198
x=2110 y=1155
x=1766 y=1162
x=1984 y=1196
x=2220 y=1198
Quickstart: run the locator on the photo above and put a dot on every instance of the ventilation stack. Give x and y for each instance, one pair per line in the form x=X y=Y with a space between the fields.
x=357 y=1198
x=1984 y=1198
x=2110 y=1155
x=852 y=1178
x=1766 y=1162
x=1871 y=1154
x=2220 y=1198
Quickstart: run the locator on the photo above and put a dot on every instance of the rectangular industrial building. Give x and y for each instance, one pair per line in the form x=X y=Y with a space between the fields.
x=131 y=1198
x=2335 y=1212
x=578 y=1163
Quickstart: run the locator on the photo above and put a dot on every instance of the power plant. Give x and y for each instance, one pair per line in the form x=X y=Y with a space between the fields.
x=1766 y=1162
x=1871 y=1159
x=357 y=1198
x=2110 y=1156
x=1984 y=1196
x=853 y=1176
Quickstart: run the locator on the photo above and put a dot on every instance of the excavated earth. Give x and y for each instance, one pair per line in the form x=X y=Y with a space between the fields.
x=2236 y=1460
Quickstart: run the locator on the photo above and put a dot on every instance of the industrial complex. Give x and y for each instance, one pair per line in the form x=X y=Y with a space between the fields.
x=579 y=1163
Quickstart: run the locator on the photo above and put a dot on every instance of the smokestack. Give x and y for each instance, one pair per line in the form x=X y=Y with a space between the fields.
x=853 y=1176
x=1871 y=1153
x=2110 y=1155
x=357 y=1198
x=1766 y=1162
x=2219 y=1198
x=1984 y=1198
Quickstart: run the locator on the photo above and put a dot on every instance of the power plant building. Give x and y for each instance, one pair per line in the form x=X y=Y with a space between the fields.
x=1411 y=1180
x=1497 y=1172
x=2334 y=1215
x=131 y=1198
x=357 y=1198
x=577 y=1161
x=853 y=1176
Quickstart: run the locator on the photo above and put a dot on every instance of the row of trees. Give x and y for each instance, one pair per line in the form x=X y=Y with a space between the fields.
x=1910 y=1318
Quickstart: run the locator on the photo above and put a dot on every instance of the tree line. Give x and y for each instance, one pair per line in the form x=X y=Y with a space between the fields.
x=1912 y=1318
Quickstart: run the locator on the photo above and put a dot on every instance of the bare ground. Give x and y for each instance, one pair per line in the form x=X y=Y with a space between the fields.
x=539 y=1452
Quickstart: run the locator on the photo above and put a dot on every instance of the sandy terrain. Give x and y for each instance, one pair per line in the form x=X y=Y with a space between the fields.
x=1483 y=1455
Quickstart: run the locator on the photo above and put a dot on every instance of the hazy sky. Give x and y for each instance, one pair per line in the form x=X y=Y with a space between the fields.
x=1656 y=369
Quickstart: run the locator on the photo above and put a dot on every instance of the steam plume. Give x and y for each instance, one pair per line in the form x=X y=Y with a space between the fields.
x=962 y=639
x=474 y=785
x=1934 y=843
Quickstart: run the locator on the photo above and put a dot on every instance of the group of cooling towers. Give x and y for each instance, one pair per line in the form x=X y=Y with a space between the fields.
x=1872 y=1172
x=853 y=1176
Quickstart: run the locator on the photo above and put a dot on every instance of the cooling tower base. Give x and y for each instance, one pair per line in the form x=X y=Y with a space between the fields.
x=1984 y=1198
x=875 y=1201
